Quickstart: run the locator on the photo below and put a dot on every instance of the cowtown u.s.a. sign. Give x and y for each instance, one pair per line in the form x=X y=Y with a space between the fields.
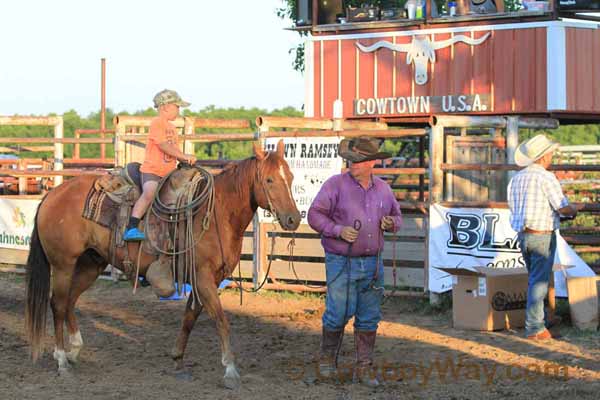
x=420 y=53
x=421 y=104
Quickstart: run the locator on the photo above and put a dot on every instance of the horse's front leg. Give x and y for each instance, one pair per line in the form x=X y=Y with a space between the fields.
x=189 y=319
x=207 y=290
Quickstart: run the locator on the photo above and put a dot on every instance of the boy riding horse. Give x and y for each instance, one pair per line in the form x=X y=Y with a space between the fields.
x=162 y=154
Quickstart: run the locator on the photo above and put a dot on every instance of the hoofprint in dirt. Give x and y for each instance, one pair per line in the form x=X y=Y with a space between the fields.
x=128 y=339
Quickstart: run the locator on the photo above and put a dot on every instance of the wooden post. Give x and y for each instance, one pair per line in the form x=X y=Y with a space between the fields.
x=436 y=183
x=58 y=151
x=436 y=155
x=119 y=144
x=512 y=141
x=76 y=149
x=22 y=179
x=421 y=165
x=259 y=258
x=449 y=144
x=102 y=106
x=188 y=129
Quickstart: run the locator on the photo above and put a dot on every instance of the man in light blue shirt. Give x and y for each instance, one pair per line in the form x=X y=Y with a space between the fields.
x=536 y=203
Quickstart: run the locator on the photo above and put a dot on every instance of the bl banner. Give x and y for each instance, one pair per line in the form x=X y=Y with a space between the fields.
x=483 y=237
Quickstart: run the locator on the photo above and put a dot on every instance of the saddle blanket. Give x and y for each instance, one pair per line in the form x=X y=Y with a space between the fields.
x=100 y=208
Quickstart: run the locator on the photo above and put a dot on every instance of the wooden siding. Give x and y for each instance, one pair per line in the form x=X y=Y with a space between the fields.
x=583 y=69
x=510 y=67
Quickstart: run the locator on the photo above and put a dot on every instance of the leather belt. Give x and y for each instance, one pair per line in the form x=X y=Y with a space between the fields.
x=529 y=230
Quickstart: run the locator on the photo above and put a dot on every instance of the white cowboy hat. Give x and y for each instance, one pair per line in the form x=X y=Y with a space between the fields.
x=533 y=149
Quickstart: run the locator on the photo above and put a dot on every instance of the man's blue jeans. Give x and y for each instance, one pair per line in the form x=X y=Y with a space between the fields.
x=364 y=300
x=538 y=252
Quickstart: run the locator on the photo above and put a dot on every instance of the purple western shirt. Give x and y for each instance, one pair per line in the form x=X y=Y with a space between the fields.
x=341 y=201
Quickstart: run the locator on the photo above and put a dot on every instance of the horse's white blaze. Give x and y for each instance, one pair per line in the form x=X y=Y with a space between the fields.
x=282 y=173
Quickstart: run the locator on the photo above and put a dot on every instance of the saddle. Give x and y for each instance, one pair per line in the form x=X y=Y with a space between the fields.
x=109 y=203
x=169 y=235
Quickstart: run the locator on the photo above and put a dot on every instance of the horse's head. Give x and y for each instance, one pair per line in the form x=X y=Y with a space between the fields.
x=273 y=189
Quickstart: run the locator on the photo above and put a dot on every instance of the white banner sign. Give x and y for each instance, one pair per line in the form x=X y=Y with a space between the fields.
x=312 y=161
x=16 y=222
x=472 y=237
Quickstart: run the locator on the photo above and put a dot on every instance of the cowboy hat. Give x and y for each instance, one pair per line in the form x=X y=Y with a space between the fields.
x=362 y=148
x=533 y=149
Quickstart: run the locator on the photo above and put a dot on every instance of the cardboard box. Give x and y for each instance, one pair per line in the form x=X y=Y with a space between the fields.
x=488 y=299
x=583 y=302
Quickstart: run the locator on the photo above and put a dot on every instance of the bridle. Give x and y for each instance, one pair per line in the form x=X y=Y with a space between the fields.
x=275 y=214
x=260 y=179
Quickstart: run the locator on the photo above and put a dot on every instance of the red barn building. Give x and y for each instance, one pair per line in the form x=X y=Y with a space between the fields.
x=526 y=63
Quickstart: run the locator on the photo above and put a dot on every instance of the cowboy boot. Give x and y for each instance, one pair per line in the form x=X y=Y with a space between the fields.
x=365 y=344
x=331 y=342
x=160 y=277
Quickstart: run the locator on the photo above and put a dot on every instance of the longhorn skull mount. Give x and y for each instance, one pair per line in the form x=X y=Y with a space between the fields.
x=421 y=50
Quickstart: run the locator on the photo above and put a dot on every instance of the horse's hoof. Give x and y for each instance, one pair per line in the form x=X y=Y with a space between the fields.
x=73 y=358
x=183 y=375
x=232 y=379
x=66 y=373
x=232 y=383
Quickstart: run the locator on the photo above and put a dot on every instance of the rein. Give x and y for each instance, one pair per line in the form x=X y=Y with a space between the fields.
x=292 y=243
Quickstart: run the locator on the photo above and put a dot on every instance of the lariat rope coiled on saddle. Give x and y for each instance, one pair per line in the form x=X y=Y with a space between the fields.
x=196 y=194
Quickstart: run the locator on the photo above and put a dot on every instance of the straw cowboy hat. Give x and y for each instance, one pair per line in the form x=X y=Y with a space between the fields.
x=361 y=149
x=533 y=149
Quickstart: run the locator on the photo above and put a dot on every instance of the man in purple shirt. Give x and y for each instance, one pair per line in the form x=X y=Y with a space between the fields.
x=351 y=211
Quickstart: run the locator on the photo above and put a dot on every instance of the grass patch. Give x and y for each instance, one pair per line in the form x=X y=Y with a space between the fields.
x=422 y=306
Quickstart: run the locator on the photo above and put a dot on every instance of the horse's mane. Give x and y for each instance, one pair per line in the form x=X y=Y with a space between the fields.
x=239 y=173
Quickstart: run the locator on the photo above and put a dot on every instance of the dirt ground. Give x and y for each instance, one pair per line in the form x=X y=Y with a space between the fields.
x=128 y=340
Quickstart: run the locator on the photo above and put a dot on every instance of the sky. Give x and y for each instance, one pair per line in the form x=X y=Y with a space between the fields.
x=224 y=53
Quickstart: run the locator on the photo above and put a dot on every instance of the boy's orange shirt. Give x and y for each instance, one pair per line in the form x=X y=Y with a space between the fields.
x=158 y=162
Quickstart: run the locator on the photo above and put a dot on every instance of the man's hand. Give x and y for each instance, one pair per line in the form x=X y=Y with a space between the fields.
x=569 y=211
x=387 y=223
x=349 y=234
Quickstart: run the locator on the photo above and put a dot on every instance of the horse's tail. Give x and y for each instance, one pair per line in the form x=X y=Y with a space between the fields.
x=38 y=293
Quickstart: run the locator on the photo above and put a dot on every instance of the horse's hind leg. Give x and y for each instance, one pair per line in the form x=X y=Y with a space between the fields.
x=189 y=319
x=61 y=286
x=207 y=290
x=86 y=273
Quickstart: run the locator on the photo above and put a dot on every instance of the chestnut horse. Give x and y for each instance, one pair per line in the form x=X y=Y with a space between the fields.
x=69 y=252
